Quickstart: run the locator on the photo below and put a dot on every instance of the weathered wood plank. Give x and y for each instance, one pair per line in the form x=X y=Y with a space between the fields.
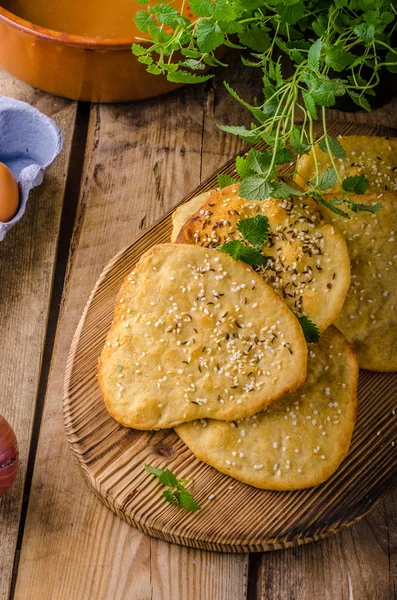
x=27 y=259
x=357 y=564
x=140 y=160
x=86 y=550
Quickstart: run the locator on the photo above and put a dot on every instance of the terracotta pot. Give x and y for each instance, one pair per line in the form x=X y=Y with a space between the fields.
x=98 y=70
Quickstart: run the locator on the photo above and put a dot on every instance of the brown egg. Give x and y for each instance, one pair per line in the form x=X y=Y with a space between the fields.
x=9 y=194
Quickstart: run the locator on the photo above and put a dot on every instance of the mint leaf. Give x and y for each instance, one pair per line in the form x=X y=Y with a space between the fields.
x=284 y=155
x=338 y=58
x=278 y=76
x=247 y=135
x=335 y=147
x=357 y=207
x=154 y=470
x=332 y=205
x=170 y=497
x=165 y=14
x=300 y=147
x=358 y=184
x=323 y=90
x=291 y=14
x=255 y=188
x=256 y=163
x=360 y=100
x=225 y=180
x=310 y=104
x=154 y=69
x=223 y=10
x=168 y=478
x=190 y=53
x=280 y=189
x=256 y=38
x=138 y=50
x=176 y=493
x=146 y=60
x=365 y=32
x=186 y=77
x=320 y=25
x=258 y=113
x=192 y=63
x=296 y=56
x=327 y=179
x=201 y=8
x=186 y=500
x=242 y=167
x=239 y=251
x=310 y=330
x=209 y=35
x=313 y=58
x=391 y=58
x=254 y=230
x=144 y=21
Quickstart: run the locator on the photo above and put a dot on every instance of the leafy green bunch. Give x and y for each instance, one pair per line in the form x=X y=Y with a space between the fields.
x=336 y=48
x=175 y=492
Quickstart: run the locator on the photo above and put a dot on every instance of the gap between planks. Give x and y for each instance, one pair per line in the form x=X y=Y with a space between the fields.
x=99 y=206
x=69 y=209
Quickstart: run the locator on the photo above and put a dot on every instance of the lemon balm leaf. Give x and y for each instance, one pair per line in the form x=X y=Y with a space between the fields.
x=254 y=230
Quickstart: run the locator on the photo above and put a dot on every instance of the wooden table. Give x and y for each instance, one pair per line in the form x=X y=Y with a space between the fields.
x=121 y=168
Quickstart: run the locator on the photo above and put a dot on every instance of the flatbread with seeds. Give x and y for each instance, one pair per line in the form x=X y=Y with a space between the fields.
x=184 y=211
x=374 y=157
x=297 y=442
x=309 y=266
x=369 y=315
x=197 y=334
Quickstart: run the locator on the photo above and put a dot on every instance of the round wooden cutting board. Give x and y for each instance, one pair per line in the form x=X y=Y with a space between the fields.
x=239 y=518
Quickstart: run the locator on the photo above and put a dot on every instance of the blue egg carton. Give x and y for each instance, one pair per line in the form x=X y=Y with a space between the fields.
x=29 y=143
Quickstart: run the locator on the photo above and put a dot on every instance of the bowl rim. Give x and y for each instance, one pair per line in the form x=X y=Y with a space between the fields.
x=66 y=38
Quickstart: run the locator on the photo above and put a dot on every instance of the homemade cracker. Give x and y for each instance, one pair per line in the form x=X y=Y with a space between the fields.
x=310 y=266
x=374 y=157
x=369 y=315
x=184 y=211
x=197 y=334
x=297 y=442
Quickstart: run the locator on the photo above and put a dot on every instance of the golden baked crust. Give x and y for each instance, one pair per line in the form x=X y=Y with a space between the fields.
x=369 y=315
x=374 y=157
x=184 y=211
x=297 y=442
x=310 y=269
x=197 y=334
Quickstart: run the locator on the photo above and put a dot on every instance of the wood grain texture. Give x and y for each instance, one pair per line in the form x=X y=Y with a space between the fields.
x=27 y=259
x=74 y=547
x=140 y=160
x=112 y=457
x=357 y=564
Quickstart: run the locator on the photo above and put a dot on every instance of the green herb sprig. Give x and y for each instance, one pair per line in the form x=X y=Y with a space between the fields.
x=310 y=329
x=176 y=492
x=255 y=232
x=336 y=48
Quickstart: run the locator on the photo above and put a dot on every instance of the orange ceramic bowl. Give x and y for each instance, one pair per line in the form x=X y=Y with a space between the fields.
x=98 y=70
